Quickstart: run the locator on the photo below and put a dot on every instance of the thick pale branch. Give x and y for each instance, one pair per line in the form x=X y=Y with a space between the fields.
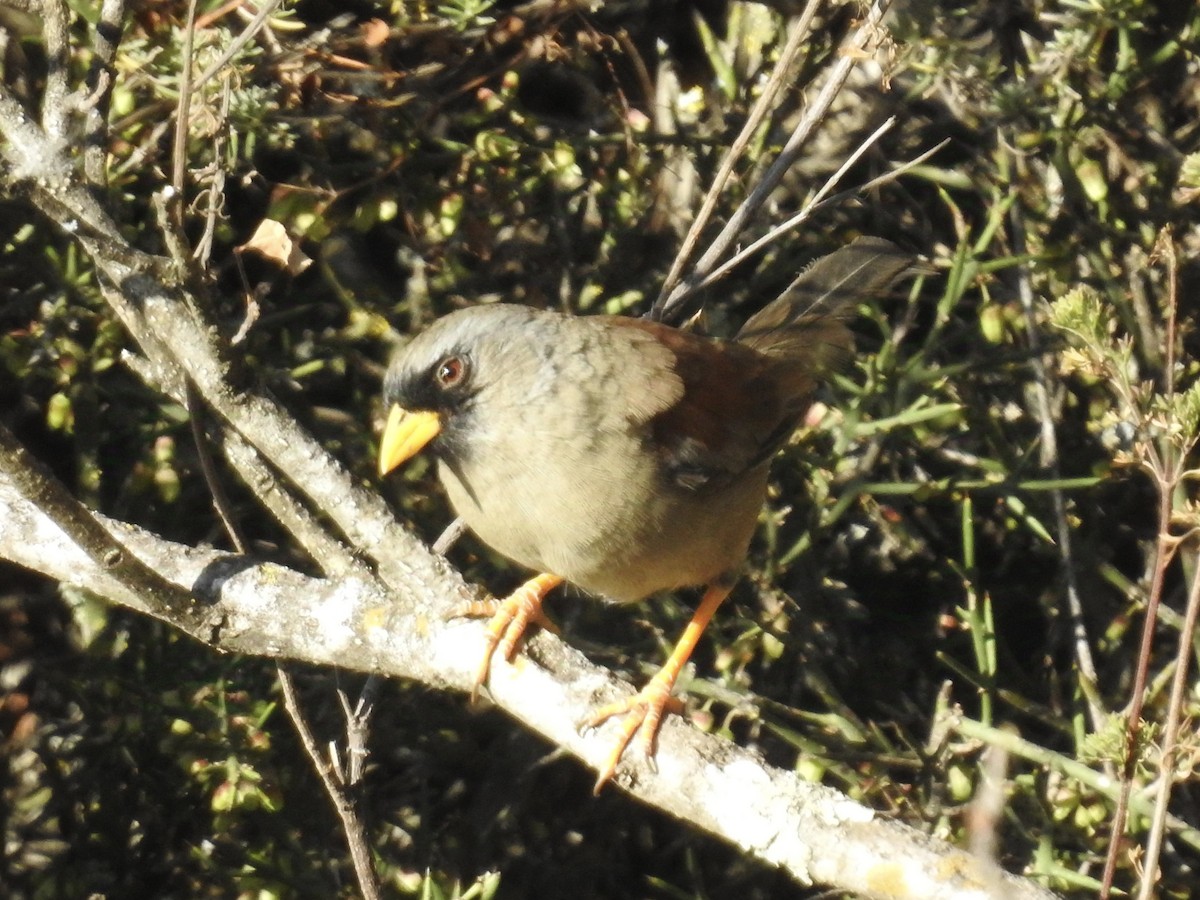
x=37 y=485
x=813 y=832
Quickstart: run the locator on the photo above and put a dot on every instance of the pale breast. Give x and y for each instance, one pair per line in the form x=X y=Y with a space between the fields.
x=614 y=537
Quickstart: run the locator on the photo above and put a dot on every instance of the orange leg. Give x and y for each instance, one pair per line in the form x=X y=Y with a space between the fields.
x=644 y=711
x=509 y=619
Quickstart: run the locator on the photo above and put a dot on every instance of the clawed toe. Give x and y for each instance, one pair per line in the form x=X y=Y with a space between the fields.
x=641 y=716
x=508 y=620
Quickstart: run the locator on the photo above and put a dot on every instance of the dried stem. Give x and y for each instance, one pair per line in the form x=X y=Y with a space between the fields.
x=105 y=40
x=1081 y=645
x=183 y=117
x=671 y=307
x=1165 y=462
x=247 y=34
x=818 y=201
x=1163 y=554
x=798 y=31
x=343 y=803
x=56 y=100
x=1170 y=742
x=1179 y=683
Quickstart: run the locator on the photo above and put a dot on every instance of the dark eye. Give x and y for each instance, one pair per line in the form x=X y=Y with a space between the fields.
x=450 y=372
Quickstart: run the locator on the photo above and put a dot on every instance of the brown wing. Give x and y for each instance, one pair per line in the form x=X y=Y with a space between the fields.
x=734 y=413
x=741 y=399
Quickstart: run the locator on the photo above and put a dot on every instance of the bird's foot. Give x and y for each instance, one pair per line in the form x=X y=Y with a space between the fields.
x=508 y=619
x=643 y=714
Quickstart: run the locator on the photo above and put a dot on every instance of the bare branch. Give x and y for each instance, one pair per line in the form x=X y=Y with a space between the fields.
x=813 y=832
x=38 y=163
x=273 y=493
x=343 y=803
x=56 y=105
x=248 y=33
x=105 y=40
x=818 y=200
x=671 y=307
x=36 y=485
x=783 y=66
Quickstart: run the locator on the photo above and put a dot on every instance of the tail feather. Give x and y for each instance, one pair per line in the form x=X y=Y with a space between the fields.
x=807 y=322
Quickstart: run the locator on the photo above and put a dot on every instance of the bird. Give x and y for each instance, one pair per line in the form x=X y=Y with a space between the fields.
x=620 y=455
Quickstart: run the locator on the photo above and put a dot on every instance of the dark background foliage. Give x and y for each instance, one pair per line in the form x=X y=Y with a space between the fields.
x=433 y=157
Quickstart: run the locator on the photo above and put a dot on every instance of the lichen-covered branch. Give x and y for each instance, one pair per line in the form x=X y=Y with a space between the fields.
x=813 y=832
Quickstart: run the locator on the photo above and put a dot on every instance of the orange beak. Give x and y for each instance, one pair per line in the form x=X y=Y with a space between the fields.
x=404 y=435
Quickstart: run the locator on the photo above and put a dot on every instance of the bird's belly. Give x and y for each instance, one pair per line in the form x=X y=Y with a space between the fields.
x=690 y=556
x=619 y=545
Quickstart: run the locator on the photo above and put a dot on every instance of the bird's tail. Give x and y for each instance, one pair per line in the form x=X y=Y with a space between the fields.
x=806 y=325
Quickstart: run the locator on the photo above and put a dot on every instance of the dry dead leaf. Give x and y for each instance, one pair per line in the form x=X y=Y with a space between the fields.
x=272 y=241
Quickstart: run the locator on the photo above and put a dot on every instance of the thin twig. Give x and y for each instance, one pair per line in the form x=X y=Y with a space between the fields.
x=106 y=38
x=1165 y=462
x=985 y=813
x=1179 y=684
x=783 y=66
x=216 y=187
x=183 y=118
x=352 y=826
x=449 y=537
x=817 y=202
x=221 y=504
x=247 y=34
x=358 y=728
x=670 y=308
x=1166 y=245
x=171 y=222
x=1048 y=449
x=1170 y=743
x=305 y=528
x=1164 y=552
